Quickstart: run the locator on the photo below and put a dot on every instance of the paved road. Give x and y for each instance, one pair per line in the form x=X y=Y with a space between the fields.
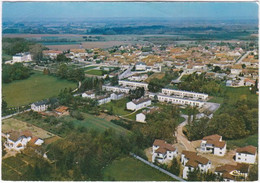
x=126 y=74
x=243 y=57
x=181 y=138
x=11 y=115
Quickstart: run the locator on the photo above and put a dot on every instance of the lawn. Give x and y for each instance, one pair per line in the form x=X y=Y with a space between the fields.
x=14 y=124
x=130 y=169
x=99 y=124
x=234 y=94
x=88 y=68
x=250 y=140
x=95 y=72
x=35 y=88
x=118 y=107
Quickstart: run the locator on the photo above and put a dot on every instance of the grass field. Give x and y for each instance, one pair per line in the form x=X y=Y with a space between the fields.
x=235 y=94
x=118 y=107
x=99 y=124
x=35 y=88
x=155 y=75
x=250 y=140
x=14 y=124
x=130 y=169
x=95 y=72
x=88 y=68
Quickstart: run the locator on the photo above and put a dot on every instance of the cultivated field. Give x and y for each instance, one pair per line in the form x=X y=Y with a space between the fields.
x=14 y=124
x=35 y=88
x=130 y=169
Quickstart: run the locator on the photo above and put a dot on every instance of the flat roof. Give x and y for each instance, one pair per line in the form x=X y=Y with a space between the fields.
x=175 y=97
x=183 y=91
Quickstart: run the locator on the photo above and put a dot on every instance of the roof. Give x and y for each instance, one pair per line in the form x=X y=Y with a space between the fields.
x=61 y=109
x=194 y=159
x=89 y=92
x=163 y=146
x=228 y=169
x=140 y=100
x=215 y=140
x=39 y=103
x=14 y=135
x=247 y=150
x=214 y=137
x=140 y=63
x=26 y=133
x=51 y=51
x=184 y=91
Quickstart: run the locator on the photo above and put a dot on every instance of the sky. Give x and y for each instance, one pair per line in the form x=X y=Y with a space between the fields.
x=213 y=10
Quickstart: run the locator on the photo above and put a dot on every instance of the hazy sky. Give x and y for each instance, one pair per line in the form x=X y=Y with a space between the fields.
x=39 y=10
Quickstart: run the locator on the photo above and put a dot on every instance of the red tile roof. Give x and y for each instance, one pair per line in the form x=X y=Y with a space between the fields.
x=194 y=159
x=163 y=146
x=247 y=150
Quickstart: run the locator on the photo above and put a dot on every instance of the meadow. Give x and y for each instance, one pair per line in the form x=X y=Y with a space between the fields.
x=95 y=72
x=35 y=88
x=130 y=169
x=118 y=107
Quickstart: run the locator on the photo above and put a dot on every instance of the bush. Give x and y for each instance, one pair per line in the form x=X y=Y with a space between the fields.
x=77 y=115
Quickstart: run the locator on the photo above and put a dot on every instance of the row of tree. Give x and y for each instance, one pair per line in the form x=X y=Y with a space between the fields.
x=64 y=72
x=14 y=72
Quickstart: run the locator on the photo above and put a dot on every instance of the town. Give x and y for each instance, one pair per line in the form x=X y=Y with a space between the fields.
x=178 y=110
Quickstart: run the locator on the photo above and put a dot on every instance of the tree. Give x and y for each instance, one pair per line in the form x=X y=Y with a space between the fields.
x=216 y=69
x=114 y=80
x=4 y=106
x=137 y=93
x=243 y=66
x=62 y=58
x=175 y=167
x=253 y=173
x=194 y=175
x=46 y=71
x=36 y=51
x=62 y=71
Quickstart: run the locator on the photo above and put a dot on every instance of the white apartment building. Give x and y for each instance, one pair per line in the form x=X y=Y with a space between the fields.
x=89 y=94
x=133 y=84
x=176 y=100
x=213 y=144
x=246 y=154
x=190 y=160
x=115 y=89
x=139 y=66
x=163 y=152
x=137 y=104
x=103 y=99
x=116 y=96
x=183 y=94
x=22 y=57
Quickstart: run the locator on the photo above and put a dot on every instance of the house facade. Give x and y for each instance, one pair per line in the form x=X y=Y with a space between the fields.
x=103 y=99
x=115 y=89
x=176 y=100
x=22 y=57
x=182 y=94
x=191 y=161
x=89 y=94
x=246 y=154
x=40 y=106
x=163 y=152
x=133 y=84
x=213 y=144
x=117 y=96
x=137 y=104
x=51 y=53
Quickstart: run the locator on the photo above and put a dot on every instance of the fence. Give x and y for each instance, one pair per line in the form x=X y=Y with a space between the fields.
x=158 y=168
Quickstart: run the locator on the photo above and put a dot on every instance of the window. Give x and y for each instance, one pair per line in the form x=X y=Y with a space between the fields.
x=239 y=158
x=220 y=152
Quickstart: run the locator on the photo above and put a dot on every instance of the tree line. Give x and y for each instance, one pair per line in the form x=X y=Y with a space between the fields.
x=14 y=72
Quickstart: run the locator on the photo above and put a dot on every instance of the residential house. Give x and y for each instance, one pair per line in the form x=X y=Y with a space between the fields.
x=249 y=82
x=176 y=100
x=51 y=53
x=115 y=89
x=22 y=57
x=139 y=66
x=182 y=94
x=137 y=104
x=191 y=161
x=117 y=96
x=40 y=106
x=213 y=144
x=35 y=141
x=89 y=94
x=17 y=140
x=232 y=172
x=103 y=99
x=133 y=84
x=62 y=110
x=141 y=117
x=246 y=154
x=163 y=152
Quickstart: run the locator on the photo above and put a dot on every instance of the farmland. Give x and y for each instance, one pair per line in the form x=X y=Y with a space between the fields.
x=130 y=169
x=14 y=124
x=35 y=88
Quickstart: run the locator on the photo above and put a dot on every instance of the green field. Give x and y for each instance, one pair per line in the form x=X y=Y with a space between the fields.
x=250 y=140
x=117 y=106
x=130 y=169
x=99 y=124
x=235 y=94
x=95 y=72
x=35 y=88
x=89 y=68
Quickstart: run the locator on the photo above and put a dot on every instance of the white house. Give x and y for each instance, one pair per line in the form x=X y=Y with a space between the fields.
x=89 y=94
x=137 y=104
x=246 y=154
x=133 y=84
x=36 y=141
x=103 y=99
x=213 y=144
x=22 y=57
x=40 y=106
x=163 y=152
x=115 y=89
x=231 y=172
x=116 y=96
x=17 y=140
x=190 y=160
x=141 y=117
x=176 y=100
x=236 y=71
x=182 y=94
x=140 y=66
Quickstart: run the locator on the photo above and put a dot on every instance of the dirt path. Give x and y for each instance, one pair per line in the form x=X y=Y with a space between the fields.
x=181 y=138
